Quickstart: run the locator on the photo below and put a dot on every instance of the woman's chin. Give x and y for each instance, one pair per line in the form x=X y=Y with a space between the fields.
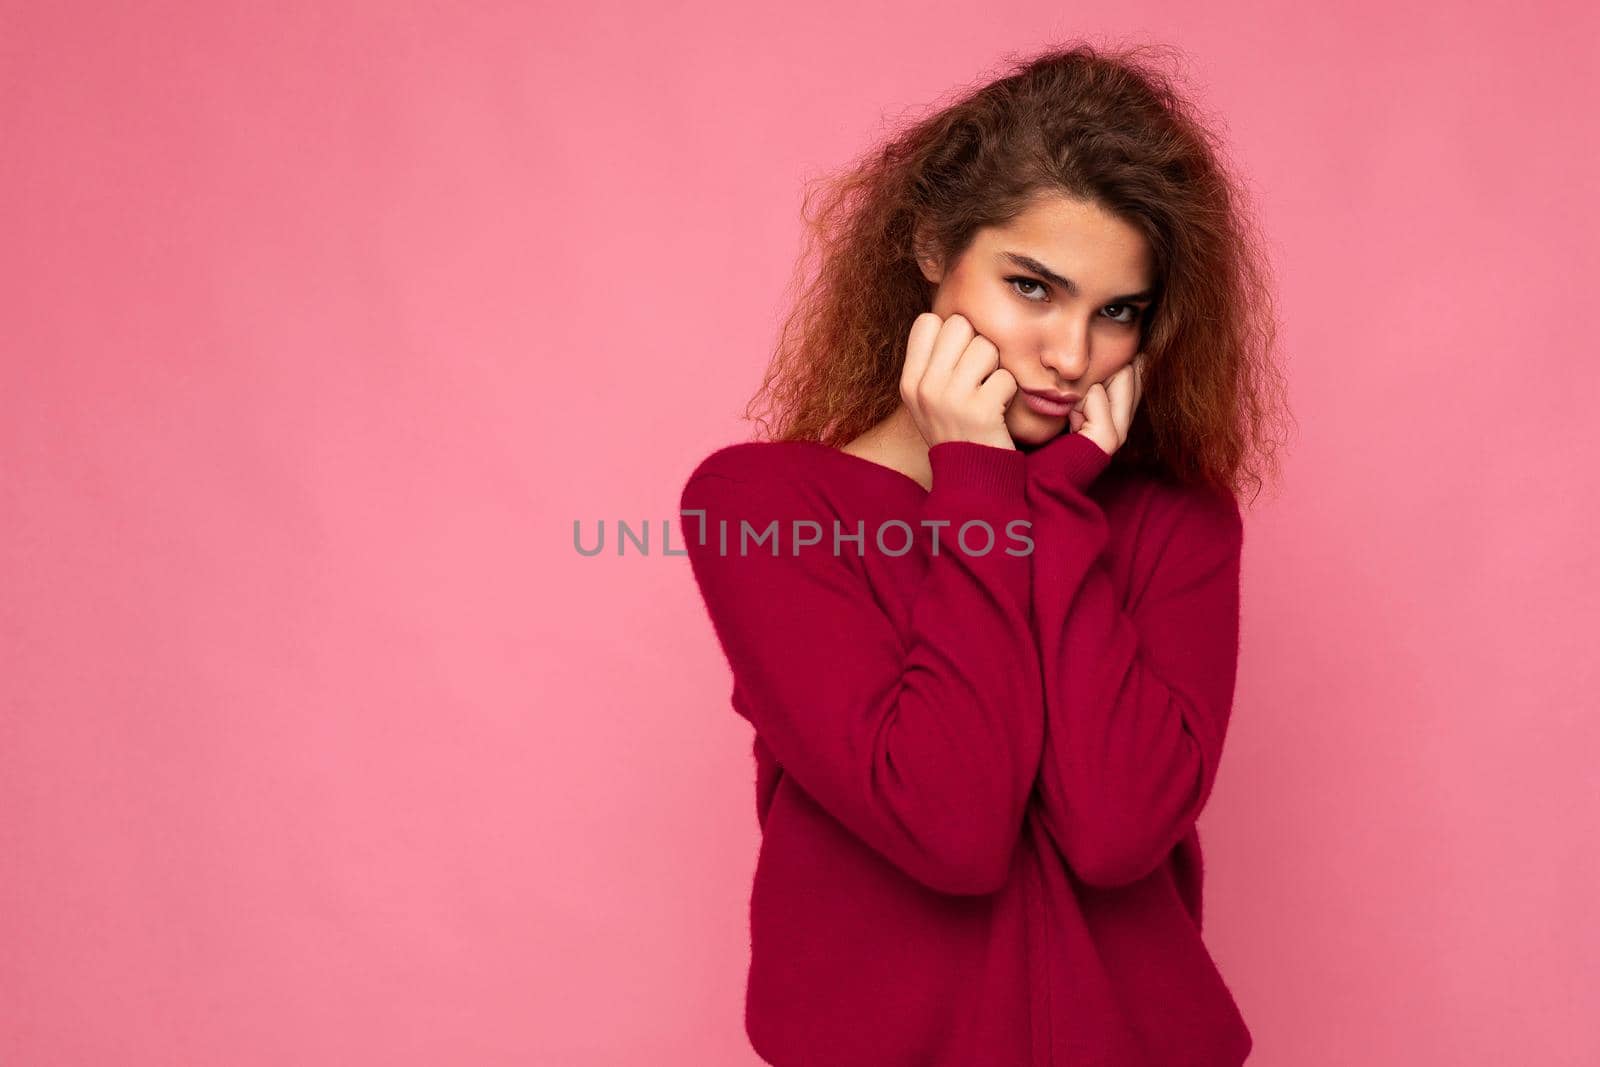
x=1037 y=431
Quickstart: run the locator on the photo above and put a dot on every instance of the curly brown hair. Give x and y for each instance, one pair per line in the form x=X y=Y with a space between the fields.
x=1102 y=125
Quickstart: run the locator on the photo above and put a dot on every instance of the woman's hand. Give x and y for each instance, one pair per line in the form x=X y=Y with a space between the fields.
x=1106 y=410
x=953 y=385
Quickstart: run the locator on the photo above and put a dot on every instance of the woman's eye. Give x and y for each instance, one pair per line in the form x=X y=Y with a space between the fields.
x=1128 y=315
x=1022 y=280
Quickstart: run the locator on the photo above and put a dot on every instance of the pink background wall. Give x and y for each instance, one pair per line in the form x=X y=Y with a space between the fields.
x=320 y=744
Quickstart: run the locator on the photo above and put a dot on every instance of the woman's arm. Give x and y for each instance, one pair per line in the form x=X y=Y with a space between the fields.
x=926 y=748
x=1136 y=704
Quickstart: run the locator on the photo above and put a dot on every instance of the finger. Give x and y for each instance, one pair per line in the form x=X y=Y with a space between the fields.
x=919 y=347
x=954 y=336
x=1096 y=403
x=1120 y=391
x=1097 y=424
x=975 y=363
x=998 y=390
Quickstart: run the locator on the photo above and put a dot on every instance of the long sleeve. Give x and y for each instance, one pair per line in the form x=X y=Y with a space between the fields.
x=1137 y=702
x=924 y=746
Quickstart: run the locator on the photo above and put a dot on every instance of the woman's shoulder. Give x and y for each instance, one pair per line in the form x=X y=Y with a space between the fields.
x=1180 y=517
x=747 y=461
x=792 y=470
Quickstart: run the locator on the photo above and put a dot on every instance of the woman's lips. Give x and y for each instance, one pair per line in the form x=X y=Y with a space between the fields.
x=1053 y=408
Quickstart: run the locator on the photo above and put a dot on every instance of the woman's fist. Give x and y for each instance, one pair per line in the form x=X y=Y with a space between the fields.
x=953 y=385
x=1106 y=410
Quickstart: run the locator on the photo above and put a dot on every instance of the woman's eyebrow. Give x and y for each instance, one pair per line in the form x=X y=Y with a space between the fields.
x=1029 y=263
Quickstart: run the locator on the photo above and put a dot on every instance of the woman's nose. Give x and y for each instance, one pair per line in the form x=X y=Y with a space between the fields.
x=1069 y=361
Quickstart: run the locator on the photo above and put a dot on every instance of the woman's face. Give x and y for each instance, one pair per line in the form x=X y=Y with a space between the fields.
x=1060 y=291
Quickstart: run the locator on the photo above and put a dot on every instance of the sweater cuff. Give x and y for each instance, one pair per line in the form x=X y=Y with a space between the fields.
x=1074 y=457
x=1000 y=473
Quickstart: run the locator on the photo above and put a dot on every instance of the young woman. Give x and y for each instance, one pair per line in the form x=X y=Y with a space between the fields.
x=979 y=589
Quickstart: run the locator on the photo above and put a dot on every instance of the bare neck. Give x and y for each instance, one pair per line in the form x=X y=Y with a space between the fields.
x=896 y=443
